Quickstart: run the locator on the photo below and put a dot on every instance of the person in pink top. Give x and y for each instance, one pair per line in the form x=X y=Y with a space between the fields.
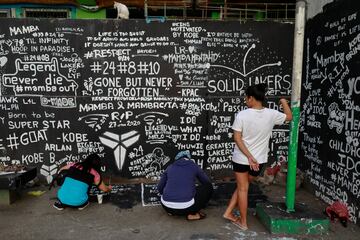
x=74 y=191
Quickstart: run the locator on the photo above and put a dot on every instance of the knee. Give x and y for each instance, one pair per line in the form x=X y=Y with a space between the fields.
x=243 y=188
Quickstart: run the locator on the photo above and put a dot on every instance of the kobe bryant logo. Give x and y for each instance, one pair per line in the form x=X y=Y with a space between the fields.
x=119 y=143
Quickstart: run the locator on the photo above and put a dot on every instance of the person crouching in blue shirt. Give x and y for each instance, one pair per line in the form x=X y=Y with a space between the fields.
x=179 y=193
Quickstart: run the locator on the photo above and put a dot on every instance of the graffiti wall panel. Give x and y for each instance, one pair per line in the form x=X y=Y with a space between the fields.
x=329 y=132
x=133 y=92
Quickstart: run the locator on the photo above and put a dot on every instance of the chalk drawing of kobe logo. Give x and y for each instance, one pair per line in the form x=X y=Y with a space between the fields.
x=336 y=117
x=48 y=171
x=119 y=143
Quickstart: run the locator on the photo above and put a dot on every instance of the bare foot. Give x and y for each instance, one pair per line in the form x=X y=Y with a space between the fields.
x=230 y=217
x=196 y=216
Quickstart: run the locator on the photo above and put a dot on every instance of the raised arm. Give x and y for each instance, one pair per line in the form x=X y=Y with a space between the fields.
x=287 y=109
x=67 y=166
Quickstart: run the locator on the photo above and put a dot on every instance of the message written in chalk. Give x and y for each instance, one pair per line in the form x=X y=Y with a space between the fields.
x=330 y=127
x=134 y=93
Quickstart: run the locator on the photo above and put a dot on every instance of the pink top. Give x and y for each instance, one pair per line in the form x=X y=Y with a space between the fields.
x=93 y=172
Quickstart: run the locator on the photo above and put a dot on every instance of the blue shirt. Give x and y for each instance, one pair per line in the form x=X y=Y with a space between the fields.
x=177 y=184
x=73 y=192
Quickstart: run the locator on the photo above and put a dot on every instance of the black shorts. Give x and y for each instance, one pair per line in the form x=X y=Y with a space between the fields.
x=246 y=168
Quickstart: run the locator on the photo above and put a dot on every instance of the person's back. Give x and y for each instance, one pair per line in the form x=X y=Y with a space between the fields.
x=74 y=191
x=181 y=175
x=78 y=180
x=179 y=193
x=257 y=126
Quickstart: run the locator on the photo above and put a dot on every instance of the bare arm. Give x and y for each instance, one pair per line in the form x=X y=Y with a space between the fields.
x=287 y=109
x=67 y=166
x=254 y=165
x=103 y=187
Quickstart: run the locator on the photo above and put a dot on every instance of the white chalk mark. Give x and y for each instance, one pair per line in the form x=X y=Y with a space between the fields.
x=247 y=52
x=182 y=86
x=93 y=115
x=156 y=141
x=72 y=33
x=244 y=74
x=160 y=113
x=222 y=66
x=265 y=65
x=145 y=55
x=142 y=195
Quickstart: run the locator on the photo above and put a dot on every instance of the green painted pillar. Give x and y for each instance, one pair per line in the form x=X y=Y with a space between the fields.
x=292 y=160
x=299 y=33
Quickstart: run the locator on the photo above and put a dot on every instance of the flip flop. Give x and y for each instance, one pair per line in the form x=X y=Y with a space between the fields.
x=201 y=216
x=244 y=228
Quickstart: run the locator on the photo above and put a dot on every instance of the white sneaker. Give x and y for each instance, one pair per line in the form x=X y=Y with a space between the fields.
x=82 y=208
x=58 y=206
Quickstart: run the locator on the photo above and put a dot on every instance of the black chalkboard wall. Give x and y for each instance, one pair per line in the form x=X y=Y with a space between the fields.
x=329 y=148
x=133 y=92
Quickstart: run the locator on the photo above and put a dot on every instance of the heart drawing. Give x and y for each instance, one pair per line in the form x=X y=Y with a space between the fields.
x=3 y=61
x=191 y=49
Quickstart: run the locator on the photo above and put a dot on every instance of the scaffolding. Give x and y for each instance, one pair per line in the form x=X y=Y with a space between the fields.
x=220 y=10
x=241 y=10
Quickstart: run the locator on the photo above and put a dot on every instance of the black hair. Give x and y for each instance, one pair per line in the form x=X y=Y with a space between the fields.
x=91 y=161
x=257 y=91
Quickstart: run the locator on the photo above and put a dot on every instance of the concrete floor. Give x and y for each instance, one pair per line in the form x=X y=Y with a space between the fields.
x=34 y=217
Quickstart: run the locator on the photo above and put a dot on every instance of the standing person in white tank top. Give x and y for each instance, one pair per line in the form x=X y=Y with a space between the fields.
x=252 y=130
